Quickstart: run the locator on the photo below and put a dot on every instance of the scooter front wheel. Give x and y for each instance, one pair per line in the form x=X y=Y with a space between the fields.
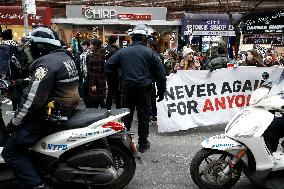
x=207 y=167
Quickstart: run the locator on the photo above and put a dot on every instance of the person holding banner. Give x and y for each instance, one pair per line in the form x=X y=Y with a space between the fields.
x=221 y=61
x=188 y=62
x=253 y=58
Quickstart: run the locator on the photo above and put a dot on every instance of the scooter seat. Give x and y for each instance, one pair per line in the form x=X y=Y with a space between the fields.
x=84 y=117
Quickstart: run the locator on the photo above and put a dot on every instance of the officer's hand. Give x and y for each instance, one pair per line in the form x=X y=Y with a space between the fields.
x=11 y=128
x=160 y=97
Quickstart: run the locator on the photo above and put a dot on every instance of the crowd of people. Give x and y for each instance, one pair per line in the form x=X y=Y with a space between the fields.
x=132 y=77
x=100 y=89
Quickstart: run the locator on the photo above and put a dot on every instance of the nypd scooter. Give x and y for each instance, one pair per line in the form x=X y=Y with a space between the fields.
x=92 y=148
x=245 y=146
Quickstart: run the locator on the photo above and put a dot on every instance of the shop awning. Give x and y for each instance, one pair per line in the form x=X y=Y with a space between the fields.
x=81 y=21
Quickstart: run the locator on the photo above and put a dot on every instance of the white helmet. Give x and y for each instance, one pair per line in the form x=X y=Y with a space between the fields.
x=44 y=35
x=141 y=29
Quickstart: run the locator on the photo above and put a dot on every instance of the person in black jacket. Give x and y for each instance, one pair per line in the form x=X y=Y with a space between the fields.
x=113 y=77
x=140 y=66
x=53 y=77
x=15 y=70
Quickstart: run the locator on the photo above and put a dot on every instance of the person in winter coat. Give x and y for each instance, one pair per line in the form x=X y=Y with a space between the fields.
x=253 y=58
x=96 y=76
x=15 y=67
x=83 y=71
x=220 y=61
x=113 y=77
x=188 y=62
x=170 y=61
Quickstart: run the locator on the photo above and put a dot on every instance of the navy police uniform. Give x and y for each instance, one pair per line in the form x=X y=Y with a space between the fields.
x=140 y=67
x=54 y=77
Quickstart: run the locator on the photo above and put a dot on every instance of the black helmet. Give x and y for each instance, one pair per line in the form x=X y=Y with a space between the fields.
x=43 y=41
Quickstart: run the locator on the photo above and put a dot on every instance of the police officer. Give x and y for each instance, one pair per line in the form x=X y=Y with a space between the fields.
x=53 y=77
x=139 y=66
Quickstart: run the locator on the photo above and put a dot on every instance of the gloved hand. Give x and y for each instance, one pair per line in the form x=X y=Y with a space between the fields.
x=11 y=128
x=160 y=97
x=161 y=86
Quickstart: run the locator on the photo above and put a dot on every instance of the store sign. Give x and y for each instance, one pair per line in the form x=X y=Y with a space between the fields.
x=116 y=12
x=134 y=16
x=207 y=24
x=209 y=27
x=275 y=39
x=98 y=14
x=261 y=23
x=30 y=6
x=14 y=16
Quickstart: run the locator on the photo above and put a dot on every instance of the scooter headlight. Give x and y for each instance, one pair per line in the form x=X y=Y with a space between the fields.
x=258 y=94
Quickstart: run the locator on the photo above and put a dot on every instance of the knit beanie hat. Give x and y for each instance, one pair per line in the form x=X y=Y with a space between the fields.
x=186 y=51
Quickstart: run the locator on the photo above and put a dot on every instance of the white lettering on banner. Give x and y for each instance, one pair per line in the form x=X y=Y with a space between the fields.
x=203 y=98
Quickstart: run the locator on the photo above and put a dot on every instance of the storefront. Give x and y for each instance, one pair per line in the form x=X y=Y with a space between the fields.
x=264 y=29
x=205 y=32
x=11 y=17
x=103 y=21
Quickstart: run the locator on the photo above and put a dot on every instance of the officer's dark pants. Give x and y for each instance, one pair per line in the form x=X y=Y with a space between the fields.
x=274 y=133
x=113 y=92
x=15 y=152
x=139 y=98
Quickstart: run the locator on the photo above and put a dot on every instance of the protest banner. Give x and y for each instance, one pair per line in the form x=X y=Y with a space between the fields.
x=203 y=98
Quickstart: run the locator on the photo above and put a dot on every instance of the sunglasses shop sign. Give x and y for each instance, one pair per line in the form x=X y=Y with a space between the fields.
x=202 y=98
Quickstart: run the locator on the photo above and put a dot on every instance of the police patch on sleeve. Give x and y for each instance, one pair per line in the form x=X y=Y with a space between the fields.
x=40 y=73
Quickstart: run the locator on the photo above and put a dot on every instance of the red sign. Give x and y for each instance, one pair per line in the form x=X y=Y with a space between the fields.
x=134 y=16
x=11 y=15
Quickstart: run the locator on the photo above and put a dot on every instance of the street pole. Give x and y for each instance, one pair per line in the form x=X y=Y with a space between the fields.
x=26 y=21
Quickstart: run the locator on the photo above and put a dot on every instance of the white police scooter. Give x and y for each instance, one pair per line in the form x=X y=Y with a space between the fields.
x=243 y=147
x=92 y=148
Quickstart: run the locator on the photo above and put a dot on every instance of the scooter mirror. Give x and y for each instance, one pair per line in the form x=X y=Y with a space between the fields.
x=265 y=75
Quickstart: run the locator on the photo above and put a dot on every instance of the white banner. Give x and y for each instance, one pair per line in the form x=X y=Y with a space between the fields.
x=202 y=98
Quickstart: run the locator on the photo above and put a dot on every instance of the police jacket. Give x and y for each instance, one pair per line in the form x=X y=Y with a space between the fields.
x=139 y=66
x=110 y=50
x=53 y=77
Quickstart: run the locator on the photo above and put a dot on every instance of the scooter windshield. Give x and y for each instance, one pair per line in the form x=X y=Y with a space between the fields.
x=275 y=82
